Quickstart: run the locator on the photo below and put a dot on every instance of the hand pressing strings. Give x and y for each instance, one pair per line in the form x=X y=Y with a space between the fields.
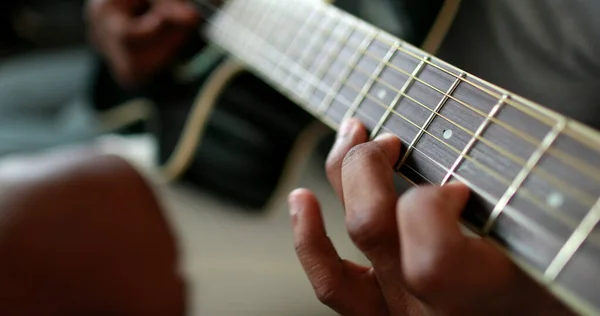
x=139 y=38
x=421 y=262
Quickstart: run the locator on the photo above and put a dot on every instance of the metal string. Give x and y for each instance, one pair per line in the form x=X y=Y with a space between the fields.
x=568 y=159
x=579 y=195
x=466 y=157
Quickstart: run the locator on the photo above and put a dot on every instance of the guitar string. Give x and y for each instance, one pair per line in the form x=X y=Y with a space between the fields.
x=577 y=194
x=442 y=141
x=521 y=107
x=582 y=166
x=451 y=172
x=585 y=168
x=518 y=160
x=556 y=215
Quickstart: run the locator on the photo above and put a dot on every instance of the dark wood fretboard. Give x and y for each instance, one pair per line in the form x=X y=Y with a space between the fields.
x=536 y=174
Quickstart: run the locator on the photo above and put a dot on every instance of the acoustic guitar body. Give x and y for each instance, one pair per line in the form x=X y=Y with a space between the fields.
x=241 y=139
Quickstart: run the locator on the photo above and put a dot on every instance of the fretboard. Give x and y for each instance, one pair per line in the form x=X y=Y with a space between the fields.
x=535 y=173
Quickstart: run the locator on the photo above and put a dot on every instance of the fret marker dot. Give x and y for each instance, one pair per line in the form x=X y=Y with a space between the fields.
x=447 y=134
x=555 y=200
x=381 y=94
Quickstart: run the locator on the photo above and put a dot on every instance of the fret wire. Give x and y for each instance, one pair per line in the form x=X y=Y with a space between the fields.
x=313 y=39
x=361 y=96
x=334 y=125
x=400 y=94
x=345 y=72
x=575 y=241
x=578 y=164
x=274 y=21
x=238 y=7
x=492 y=94
x=278 y=42
x=266 y=14
x=545 y=112
x=570 y=160
x=510 y=211
x=317 y=84
x=524 y=173
x=306 y=50
x=251 y=16
x=312 y=82
x=524 y=108
x=283 y=57
x=324 y=65
x=288 y=28
x=531 y=198
x=294 y=39
x=234 y=7
x=513 y=213
x=543 y=173
x=432 y=116
x=403 y=50
x=311 y=51
x=581 y=196
x=566 y=158
x=489 y=171
x=478 y=133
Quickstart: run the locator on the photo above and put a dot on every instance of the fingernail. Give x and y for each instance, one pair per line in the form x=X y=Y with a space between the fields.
x=455 y=189
x=346 y=128
x=385 y=136
x=454 y=183
x=293 y=204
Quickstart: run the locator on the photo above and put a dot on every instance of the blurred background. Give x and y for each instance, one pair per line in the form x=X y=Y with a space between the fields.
x=238 y=262
x=44 y=71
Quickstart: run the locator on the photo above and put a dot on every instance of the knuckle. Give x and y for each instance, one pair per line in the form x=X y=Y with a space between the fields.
x=427 y=275
x=366 y=229
x=416 y=201
x=326 y=293
x=325 y=283
x=366 y=151
x=327 y=287
x=302 y=248
x=333 y=164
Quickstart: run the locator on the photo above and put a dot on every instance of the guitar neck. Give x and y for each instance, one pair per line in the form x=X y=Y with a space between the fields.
x=535 y=173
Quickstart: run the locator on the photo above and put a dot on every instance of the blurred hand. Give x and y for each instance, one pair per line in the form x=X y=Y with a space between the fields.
x=421 y=262
x=86 y=238
x=139 y=37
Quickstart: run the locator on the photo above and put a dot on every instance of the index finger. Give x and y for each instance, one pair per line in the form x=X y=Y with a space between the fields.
x=369 y=192
x=352 y=133
x=370 y=199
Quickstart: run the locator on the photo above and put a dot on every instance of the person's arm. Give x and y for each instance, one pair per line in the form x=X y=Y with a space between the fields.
x=87 y=237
